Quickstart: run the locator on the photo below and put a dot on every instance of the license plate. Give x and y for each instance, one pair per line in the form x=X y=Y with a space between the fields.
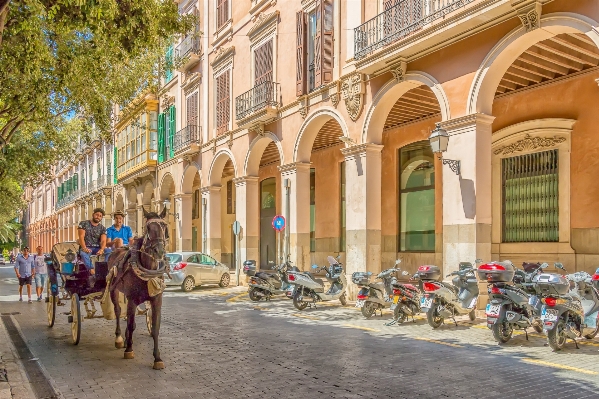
x=395 y=300
x=426 y=302
x=492 y=310
x=359 y=304
x=549 y=315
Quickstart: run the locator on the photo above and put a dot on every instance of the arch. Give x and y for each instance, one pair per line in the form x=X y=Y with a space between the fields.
x=131 y=198
x=165 y=186
x=386 y=97
x=254 y=154
x=189 y=175
x=147 y=192
x=302 y=149
x=499 y=59
x=218 y=164
x=119 y=203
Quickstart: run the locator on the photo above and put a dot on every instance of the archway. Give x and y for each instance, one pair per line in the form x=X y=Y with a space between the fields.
x=132 y=211
x=167 y=197
x=190 y=205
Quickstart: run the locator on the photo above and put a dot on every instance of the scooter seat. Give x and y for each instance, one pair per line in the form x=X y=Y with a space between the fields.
x=410 y=287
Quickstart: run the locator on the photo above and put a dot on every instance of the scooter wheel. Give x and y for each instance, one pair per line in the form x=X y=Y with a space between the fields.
x=399 y=316
x=502 y=332
x=472 y=315
x=433 y=318
x=368 y=309
x=343 y=299
x=556 y=337
x=253 y=295
x=299 y=305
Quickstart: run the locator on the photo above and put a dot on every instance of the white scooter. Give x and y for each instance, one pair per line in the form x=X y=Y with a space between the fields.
x=309 y=290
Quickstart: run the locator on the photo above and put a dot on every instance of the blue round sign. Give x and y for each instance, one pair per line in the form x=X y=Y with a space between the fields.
x=278 y=223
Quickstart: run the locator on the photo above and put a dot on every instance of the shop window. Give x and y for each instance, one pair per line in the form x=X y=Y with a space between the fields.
x=416 y=198
x=530 y=197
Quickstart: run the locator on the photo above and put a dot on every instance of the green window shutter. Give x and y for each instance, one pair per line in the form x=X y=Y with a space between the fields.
x=161 y=137
x=171 y=130
x=69 y=185
x=59 y=192
x=75 y=181
x=116 y=158
x=168 y=72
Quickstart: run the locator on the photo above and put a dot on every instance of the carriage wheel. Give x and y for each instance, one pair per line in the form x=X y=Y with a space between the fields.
x=76 y=315
x=51 y=306
x=149 y=318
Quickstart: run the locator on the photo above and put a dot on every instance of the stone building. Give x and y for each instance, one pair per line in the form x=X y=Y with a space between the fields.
x=321 y=110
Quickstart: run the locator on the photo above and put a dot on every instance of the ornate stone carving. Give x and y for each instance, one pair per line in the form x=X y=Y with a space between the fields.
x=352 y=90
x=531 y=17
x=335 y=99
x=230 y=141
x=529 y=143
x=262 y=21
x=303 y=106
x=258 y=129
x=221 y=53
x=167 y=101
x=191 y=82
x=399 y=71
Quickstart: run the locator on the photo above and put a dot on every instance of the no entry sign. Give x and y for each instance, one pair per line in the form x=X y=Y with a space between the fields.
x=278 y=223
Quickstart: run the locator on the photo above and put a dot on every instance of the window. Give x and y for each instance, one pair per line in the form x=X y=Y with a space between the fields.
x=222 y=12
x=230 y=199
x=268 y=236
x=192 y=109
x=223 y=108
x=342 y=224
x=195 y=207
x=168 y=64
x=263 y=63
x=530 y=197
x=314 y=47
x=417 y=198
x=166 y=134
x=312 y=210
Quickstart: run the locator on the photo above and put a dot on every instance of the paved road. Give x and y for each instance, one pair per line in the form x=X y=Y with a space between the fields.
x=217 y=344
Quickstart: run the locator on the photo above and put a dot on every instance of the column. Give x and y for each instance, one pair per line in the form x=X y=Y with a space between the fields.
x=139 y=220
x=212 y=219
x=247 y=210
x=362 y=210
x=467 y=196
x=295 y=179
x=132 y=220
x=183 y=221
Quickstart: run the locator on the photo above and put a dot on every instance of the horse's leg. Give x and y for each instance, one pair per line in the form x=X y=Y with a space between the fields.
x=156 y=303
x=131 y=305
x=114 y=298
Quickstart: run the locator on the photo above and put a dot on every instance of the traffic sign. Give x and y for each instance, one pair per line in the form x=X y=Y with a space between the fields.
x=278 y=223
x=236 y=228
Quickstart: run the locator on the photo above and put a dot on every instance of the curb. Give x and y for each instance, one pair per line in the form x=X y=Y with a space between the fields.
x=18 y=386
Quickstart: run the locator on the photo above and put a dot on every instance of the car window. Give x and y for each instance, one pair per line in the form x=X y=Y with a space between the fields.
x=206 y=260
x=192 y=259
x=173 y=258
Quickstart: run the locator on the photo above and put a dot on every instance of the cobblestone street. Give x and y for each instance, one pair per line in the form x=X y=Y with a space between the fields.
x=218 y=344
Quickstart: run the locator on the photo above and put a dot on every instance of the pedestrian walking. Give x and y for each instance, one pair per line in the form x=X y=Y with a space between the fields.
x=41 y=272
x=25 y=269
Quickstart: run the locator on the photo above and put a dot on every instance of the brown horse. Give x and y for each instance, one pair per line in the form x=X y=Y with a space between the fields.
x=134 y=285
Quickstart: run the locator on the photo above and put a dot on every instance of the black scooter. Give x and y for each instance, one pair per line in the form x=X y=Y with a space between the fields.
x=264 y=285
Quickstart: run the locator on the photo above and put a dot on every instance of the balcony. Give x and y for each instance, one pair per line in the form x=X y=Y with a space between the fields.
x=188 y=140
x=258 y=105
x=188 y=52
x=404 y=19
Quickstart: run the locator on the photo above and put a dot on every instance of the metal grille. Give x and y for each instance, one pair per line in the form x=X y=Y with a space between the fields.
x=263 y=63
x=530 y=197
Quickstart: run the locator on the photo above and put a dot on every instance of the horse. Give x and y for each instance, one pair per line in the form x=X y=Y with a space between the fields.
x=133 y=283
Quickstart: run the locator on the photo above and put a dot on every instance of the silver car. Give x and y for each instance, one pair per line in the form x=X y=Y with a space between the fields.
x=192 y=269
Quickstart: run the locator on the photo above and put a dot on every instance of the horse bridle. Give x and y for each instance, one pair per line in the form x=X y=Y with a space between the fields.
x=150 y=243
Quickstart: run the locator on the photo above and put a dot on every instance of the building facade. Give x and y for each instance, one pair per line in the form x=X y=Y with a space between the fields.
x=320 y=111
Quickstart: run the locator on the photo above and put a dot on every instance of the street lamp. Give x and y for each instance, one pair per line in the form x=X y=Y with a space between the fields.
x=439 y=140
x=167 y=205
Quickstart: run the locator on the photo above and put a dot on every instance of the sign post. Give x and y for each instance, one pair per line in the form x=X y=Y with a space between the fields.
x=236 y=231
x=279 y=223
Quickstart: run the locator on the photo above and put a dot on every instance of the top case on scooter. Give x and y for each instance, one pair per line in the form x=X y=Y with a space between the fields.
x=429 y=272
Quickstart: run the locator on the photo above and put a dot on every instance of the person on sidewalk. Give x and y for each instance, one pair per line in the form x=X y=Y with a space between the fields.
x=92 y=238
x=25 y=269
x=118 y=234
x=41 y=272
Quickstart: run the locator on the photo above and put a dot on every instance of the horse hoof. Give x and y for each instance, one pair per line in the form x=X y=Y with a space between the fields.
x=129 y=355
x=119 y=345
x=158 y=365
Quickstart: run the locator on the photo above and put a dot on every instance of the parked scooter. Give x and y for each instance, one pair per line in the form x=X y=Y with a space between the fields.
x=309 y=290
x=442 y=300
x=406 y=300
x=571 y=307
x=375 y=296
x=263 y=285
x=511 y=306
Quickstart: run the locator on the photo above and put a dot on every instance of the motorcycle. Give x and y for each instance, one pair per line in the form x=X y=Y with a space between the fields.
x=571 y=307
x=406 y=300
x=263 y=285
x=375 y=296
x=513 y=302
x=309 y=290
x=442 y=300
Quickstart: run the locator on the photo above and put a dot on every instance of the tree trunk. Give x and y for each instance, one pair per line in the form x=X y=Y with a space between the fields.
x=3 y=15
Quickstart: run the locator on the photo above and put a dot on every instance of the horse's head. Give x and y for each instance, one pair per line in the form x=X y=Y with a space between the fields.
x=156 y=234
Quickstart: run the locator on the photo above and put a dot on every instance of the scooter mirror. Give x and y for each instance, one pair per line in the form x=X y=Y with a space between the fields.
x=397 y=262
x=314 y=266
x=559 y=265
x=369 y=273
x=478 y=261
x=404 y=273
x=544 y=266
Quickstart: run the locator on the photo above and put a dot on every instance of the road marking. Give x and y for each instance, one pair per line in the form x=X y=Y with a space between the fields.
x=434 y=341
x=236 y=297
x=361 y=328
x=559 y=366
x=261 y=308
x=305 y=317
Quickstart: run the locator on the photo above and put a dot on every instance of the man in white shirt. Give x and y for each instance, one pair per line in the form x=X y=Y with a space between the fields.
x=41 y=272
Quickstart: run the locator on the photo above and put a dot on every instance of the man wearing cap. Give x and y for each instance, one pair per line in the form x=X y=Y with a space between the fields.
x=118 y=234
x=92 y=238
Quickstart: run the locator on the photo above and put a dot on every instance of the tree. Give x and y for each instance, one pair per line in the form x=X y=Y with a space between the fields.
x=8 y=232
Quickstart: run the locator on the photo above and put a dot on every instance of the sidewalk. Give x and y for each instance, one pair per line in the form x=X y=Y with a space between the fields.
x=18 y=386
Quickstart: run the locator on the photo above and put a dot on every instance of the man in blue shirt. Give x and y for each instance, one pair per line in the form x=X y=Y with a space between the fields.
x=24 y=268
x=117 y=232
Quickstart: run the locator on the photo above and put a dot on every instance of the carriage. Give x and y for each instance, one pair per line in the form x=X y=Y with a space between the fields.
x=69 y=275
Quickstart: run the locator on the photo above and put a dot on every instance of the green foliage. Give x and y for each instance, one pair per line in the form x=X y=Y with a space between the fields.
x=5 y=253
x=8 y=232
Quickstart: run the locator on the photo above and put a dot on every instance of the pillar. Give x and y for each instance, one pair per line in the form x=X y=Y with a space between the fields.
x=362 y=210
x=139 y=220
x=183 y=221
x=132 y=220
x=247 y=210
x=296 y=210
x=211 y=215
x=467 y=196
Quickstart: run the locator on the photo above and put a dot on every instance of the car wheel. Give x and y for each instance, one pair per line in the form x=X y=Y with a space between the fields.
x=224 y=280
x=188 y=284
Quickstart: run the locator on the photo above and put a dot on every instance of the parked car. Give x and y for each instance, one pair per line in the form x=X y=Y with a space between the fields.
x=192 y=269
x=2 y=261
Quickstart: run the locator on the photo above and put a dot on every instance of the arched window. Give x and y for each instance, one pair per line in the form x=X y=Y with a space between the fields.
x=416 y=198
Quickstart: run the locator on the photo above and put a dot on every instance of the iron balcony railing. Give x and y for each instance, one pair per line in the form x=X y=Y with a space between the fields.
x=263 y=95
x=400 y=20
x=190 y=45
x=186 y=136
